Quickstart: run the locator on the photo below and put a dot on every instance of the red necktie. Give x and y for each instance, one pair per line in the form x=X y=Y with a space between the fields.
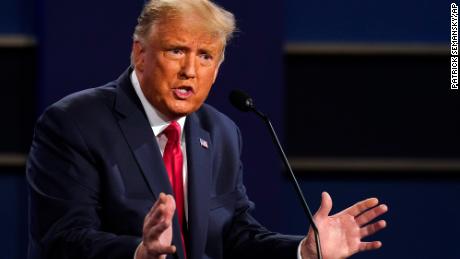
x=173 y=159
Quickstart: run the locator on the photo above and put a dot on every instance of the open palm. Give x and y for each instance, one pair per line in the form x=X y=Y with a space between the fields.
x=341 y=233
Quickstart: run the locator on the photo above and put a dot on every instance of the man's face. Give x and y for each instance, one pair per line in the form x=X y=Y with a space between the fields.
x=177 y=66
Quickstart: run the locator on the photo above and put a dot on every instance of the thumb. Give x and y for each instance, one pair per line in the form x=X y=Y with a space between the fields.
x=326 y=205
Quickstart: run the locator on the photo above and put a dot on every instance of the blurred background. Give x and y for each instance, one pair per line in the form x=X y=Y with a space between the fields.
x=359 y=92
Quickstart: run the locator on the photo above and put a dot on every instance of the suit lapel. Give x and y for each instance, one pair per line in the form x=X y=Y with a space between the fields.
x=139 y=135
x=199 y=150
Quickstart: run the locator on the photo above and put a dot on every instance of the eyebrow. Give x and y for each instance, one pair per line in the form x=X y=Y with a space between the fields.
x=182 y=46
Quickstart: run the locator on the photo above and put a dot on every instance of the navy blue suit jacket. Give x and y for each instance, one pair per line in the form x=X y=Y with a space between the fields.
x=95 y=170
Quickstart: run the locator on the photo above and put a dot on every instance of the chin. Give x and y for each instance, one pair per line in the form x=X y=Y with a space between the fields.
x=180 y=112
x=183 y=110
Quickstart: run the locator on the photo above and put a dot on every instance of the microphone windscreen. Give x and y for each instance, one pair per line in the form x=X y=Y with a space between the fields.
x=241 y=100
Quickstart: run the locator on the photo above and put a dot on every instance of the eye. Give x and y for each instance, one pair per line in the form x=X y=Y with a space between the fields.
x=174 y=52
x=206 y=58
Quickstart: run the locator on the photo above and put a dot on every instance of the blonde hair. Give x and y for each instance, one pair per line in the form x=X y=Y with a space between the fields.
x=214 y=18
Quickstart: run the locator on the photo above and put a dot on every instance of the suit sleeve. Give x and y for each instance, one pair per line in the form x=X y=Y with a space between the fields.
x=65 y=201
x=247 y=238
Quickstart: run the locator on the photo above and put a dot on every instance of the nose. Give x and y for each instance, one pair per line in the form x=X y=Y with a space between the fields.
x=188 y=69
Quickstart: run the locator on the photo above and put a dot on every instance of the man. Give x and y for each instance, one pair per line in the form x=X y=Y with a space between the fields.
x=142 y=168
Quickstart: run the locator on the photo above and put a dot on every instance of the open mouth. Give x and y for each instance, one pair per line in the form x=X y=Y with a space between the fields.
x=183 y=92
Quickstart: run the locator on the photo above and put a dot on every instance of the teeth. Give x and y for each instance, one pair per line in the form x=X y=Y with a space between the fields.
x=184 y=91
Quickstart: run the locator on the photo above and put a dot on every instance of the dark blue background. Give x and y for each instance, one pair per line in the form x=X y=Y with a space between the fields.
x=87 y=43
x=391 y=21
x=17 y=17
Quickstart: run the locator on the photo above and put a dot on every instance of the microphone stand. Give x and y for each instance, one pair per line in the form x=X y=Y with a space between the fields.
x=291 y=174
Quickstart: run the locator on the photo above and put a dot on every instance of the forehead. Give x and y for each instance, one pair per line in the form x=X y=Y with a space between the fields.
x=185 y=30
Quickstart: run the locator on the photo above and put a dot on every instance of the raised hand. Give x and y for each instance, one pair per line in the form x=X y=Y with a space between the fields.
x=341 y=234
x=157 y=230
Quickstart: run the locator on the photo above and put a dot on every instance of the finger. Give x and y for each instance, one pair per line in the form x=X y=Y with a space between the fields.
x=365 y=246
x=166 y=249
x=326 y=205
x=157 y=249
x=156 y=217
x=372 y=228
x=156 y=231
x=160 y=200
x=361 y=207
x=170 y=205
x=371 y=214
x=163 y=211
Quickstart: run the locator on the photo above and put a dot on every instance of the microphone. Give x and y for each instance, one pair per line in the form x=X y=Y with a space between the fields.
x=244 y=102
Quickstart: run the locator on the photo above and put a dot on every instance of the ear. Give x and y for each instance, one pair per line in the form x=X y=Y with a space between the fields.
x=138 y=54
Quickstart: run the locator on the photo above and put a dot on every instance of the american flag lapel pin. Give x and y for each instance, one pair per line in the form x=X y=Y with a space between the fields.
x=204 y=143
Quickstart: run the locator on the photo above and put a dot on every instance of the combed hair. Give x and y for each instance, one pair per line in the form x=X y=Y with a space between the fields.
x=215 y=19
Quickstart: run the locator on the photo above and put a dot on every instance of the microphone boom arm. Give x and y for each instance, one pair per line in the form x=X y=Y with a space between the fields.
x=293 y=178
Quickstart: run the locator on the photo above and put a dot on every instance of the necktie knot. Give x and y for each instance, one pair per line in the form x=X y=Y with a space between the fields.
x=172 y=132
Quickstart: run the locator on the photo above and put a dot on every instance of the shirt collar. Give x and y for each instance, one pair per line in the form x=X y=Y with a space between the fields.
x=157 y=121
